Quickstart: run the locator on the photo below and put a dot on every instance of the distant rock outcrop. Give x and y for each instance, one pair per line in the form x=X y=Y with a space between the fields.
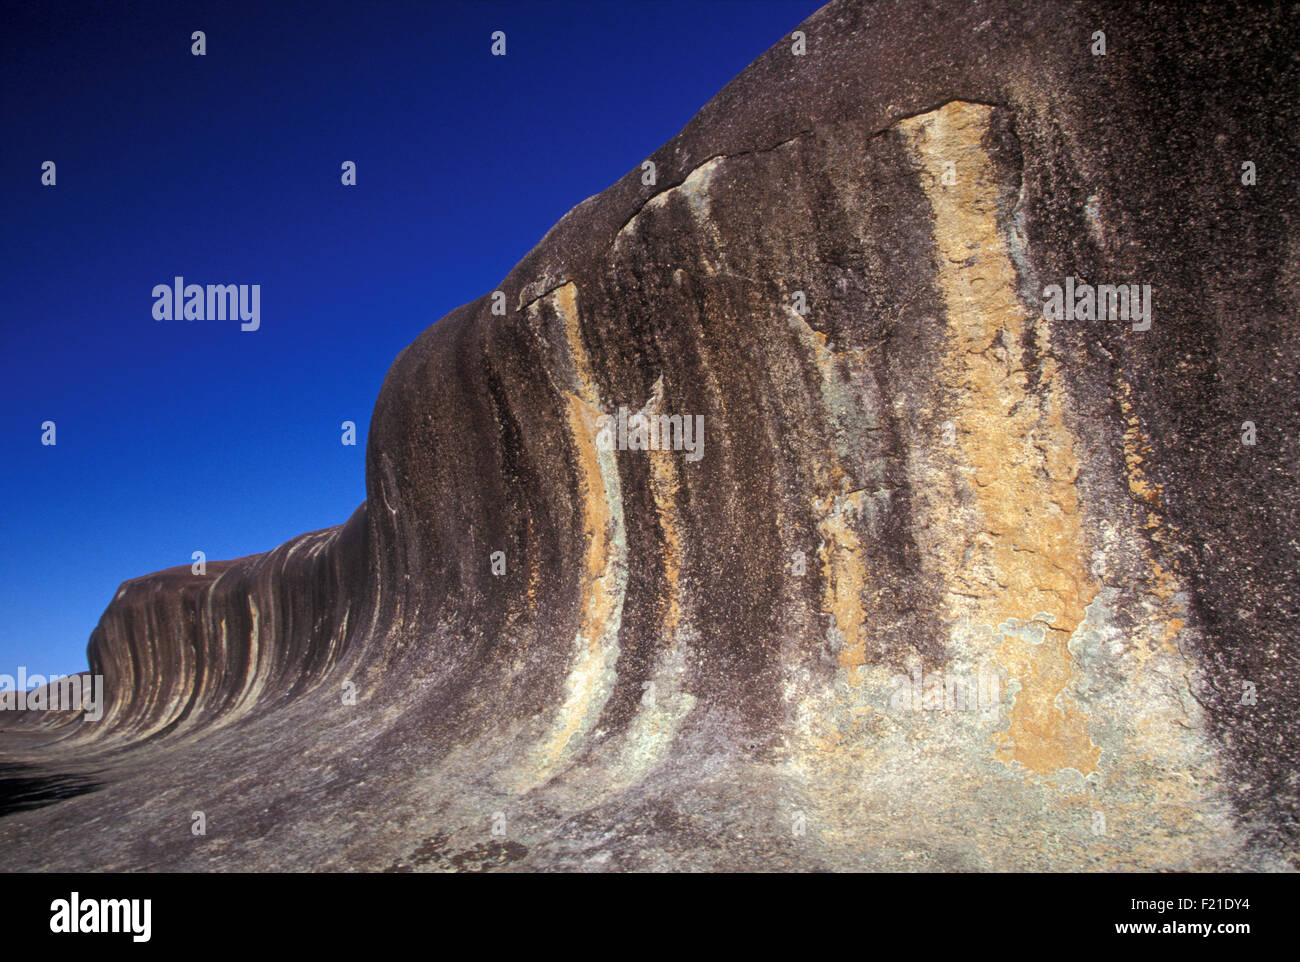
x=937 y=582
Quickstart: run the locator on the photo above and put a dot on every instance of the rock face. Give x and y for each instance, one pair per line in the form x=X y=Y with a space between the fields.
x=940 y=583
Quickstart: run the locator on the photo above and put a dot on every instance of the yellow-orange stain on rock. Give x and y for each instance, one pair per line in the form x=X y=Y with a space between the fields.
x=665 y=699
x=590 y=679
x=1162 y=583
x=837 y=509
x=1136 y=452
x=665 y=486
x=844 y=575
x=1029 y=556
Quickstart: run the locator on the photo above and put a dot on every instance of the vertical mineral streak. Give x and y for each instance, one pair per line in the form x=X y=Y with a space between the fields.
x=604 y=571
x=1028 y=569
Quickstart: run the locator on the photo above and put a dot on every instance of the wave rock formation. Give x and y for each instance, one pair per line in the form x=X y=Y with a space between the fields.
x=946 y=582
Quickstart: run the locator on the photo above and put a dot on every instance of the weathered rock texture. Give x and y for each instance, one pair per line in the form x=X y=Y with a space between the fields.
x=906 y=468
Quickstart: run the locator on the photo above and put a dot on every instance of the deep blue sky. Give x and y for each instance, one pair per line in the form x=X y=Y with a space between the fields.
x=176 y=436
